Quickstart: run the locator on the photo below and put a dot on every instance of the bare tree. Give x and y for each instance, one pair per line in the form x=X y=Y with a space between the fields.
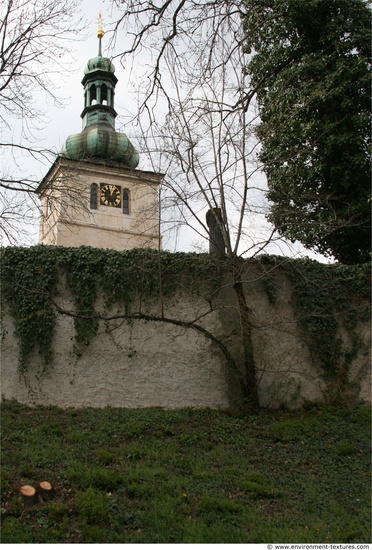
x=35 y=35
x=205 y=145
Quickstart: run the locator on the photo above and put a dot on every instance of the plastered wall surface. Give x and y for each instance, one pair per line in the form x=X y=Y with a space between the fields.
x=137 y=366
x=159 y=364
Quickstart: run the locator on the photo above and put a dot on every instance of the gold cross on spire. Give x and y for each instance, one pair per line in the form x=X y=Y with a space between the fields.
x=100 y=31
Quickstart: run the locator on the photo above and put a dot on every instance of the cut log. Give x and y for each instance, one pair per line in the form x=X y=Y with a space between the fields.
x=46 y=490
x=28 y=494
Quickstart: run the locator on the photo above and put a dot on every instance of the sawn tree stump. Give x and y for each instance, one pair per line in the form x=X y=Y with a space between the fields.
x=46 y=490
x=29 y=495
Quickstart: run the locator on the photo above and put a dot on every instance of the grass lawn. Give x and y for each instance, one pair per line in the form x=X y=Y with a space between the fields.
x=187 y=476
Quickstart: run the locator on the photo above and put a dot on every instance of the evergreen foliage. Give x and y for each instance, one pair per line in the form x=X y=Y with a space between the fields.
x=311 y=67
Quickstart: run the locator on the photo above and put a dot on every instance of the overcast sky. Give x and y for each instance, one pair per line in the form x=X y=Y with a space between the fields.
x=65 y=121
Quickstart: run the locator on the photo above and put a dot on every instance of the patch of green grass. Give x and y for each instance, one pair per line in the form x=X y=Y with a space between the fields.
x=202 y=533
x=14 y=531
x=92 y=507
x=51 y=428
x=135 y=452
x=344 y=448
x=218 y=506
x=187 y=476
x=140 y=490
x=257 y=487
x=289 y=429
x=86 y=475
x=104 y=457
x=5 y=478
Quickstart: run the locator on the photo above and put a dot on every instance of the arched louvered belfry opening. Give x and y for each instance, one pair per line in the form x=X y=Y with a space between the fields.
x=93 y=95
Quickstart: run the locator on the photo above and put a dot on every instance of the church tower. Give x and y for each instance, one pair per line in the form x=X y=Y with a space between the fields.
x=93 y=194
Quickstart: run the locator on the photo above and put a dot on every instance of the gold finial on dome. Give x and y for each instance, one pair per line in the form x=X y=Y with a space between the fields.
x=100 y=31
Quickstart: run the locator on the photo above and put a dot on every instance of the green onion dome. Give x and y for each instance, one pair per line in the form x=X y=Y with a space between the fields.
x=100 y=141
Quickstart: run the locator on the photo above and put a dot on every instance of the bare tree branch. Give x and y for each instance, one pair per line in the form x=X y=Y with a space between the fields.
x=35 y=35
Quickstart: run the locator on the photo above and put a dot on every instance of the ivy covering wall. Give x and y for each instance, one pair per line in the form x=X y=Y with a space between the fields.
x=31 y=277
x=326 y=298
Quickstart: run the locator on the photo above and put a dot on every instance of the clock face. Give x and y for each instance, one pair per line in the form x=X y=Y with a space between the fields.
x=110 y=195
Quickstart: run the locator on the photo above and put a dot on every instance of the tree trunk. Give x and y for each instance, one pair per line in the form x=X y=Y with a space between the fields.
x=246 y=327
